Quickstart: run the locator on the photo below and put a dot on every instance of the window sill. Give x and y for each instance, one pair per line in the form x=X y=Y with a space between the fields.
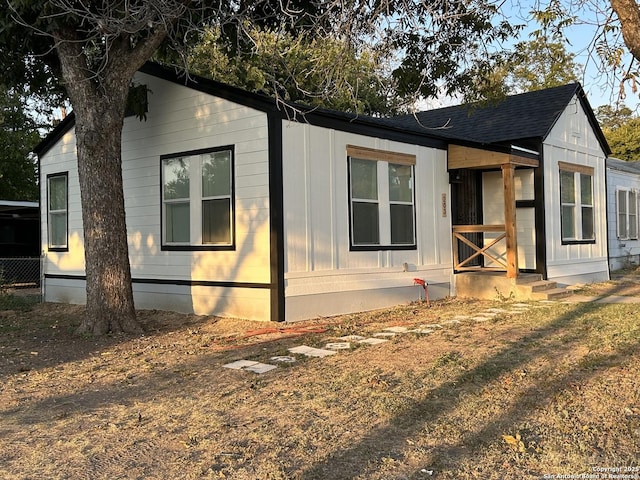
x=198 y=248
x=377 y=248
x=578 y=242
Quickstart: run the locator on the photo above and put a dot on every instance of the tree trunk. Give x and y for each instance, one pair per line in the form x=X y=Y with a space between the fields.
x=110 y=306
x=628 y=13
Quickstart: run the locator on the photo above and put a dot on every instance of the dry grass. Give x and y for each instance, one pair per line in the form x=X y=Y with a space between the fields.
x=554 y=390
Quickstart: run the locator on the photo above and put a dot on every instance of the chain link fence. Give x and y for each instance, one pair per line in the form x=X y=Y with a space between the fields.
x=20 y=282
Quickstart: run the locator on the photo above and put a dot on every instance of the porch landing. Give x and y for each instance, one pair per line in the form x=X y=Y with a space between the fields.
x=496 y=286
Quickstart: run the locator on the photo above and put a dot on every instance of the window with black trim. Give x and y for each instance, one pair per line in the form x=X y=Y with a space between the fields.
x=627 y=214
x=382 y=200
x=57 y=206
x=577 y=205
x=198 y=199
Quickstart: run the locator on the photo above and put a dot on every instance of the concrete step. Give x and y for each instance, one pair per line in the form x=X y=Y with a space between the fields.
x=551 y=294
x=540 y=285
x=527 y=278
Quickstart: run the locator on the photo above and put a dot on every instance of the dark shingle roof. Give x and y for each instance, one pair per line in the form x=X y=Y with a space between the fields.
x=527 y=116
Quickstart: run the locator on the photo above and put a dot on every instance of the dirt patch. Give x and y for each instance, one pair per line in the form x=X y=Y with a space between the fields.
x=525 y=392
x=623 y=283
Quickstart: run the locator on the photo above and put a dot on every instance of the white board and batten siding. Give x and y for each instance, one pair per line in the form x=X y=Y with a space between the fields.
x=323 y=276
x=179 y=119
x=624 y=250
x=573 y=141
x=493 y=214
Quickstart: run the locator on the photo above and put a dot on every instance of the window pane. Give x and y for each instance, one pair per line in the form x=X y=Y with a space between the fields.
x=587 y=223
x=58 y=193
x=216 y=174
x=402 y=224
x=175 y=174
x=364 y=179
x=365 y=223
x=622 y=225
x=177 y=225
x=633 y=203
x=216 y=221
x=622 y=202
x=568 y=222
x=58 y=229
x=586 y=190
x=400 y=184
x=567 y=187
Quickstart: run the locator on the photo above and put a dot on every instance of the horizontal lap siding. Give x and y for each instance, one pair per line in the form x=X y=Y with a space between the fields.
x=180 y=119
x=621 y=252
x=572 y=140
x=319 y=265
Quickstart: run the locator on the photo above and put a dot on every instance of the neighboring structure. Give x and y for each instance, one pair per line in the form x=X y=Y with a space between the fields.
x=19 y=243
x=623 y=185
x=19 y=229
x=237 y=205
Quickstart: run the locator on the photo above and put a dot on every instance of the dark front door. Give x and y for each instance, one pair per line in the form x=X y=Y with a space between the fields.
x=466 y=208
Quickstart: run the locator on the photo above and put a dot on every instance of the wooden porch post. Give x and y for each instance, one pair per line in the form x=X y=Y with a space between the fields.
x=510 y=219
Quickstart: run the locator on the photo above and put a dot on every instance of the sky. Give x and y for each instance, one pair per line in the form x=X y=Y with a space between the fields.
x=600 y=90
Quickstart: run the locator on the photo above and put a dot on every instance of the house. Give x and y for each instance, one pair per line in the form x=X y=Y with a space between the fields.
x=242 y=206
x=623 y=185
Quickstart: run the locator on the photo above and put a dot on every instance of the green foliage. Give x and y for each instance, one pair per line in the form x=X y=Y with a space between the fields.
x=611 y=118
x=18 y=136
x=625 y=140
x=316 y=71
x=539 y=64
x=532 y=65
x=622 y=131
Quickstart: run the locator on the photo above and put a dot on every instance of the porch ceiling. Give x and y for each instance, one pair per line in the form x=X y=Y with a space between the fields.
x=469 y=157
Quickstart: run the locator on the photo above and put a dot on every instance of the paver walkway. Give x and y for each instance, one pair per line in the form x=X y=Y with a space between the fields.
x=344 y=343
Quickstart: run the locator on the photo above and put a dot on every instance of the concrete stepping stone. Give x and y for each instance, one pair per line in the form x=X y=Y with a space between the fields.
x=351 y=338
x=260 y=368
x=497 y=310
x=250 y=365
x=520 y=305
x=312 y=352
x=384 y=334
x=283 y=359
x=422 y=331
x=431 y=325
x=397 y=329
x=373 y=341
x=453 y=321
x=462 y=317
x=240 y=364
x=480 y=319
x=338 y=346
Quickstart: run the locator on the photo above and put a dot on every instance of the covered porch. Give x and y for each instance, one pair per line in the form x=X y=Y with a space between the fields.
x=480 y=247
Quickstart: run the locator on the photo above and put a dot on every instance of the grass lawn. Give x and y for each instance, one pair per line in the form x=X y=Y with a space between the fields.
x=552 y=389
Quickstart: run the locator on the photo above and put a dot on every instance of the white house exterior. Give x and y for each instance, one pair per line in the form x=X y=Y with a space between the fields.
x=576 y=238
x=623 y=187
x=235 y=207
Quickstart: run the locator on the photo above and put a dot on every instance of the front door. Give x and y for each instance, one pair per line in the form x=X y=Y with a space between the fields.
x=466 y=209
